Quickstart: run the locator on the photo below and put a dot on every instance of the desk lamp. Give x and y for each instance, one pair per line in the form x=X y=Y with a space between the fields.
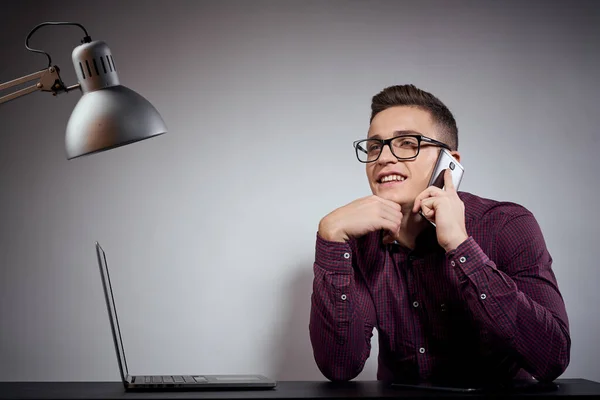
x=108 y=115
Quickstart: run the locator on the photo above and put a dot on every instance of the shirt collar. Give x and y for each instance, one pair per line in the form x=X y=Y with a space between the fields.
x=425 y=243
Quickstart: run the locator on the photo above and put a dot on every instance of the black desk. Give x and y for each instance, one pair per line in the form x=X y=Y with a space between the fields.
x=284 y=390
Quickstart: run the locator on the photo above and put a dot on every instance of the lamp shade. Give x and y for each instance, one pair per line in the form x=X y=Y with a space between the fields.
x=109 y=118
x=108 y=115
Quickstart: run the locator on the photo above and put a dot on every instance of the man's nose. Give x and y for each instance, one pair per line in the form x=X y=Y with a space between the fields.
x=386 y=155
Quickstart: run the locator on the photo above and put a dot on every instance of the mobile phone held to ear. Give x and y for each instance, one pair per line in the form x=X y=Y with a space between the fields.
x=445 y=161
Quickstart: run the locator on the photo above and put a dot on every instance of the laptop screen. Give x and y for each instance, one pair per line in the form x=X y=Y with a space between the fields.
x=112 y=311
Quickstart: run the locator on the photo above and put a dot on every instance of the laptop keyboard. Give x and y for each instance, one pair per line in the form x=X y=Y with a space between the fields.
x=174 y=379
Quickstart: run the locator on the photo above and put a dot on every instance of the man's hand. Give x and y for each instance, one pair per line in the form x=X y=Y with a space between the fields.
x=446 y=210
x=360 y=217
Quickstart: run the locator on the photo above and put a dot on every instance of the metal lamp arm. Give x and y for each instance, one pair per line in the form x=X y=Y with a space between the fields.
x=48 y=81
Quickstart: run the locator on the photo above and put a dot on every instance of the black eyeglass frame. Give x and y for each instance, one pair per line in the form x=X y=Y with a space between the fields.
x=388 y=142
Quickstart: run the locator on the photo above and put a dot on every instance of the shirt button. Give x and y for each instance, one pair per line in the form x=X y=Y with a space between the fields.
x=416 y=304
x=422 y=350
x=344 y=297
x=483 y=296
x=462 y=259
x=443 y=307
x=452 y=263
x=346 y=255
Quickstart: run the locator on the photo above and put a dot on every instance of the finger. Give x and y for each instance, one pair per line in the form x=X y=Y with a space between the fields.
x=389 y=219
x=431 y=191
x=394 y=209
x=382 y=210
x=429 y=214
x=428 y=208
x=429 y=203
x=384 y=204
x=392 y=215
x=389 y=203
x=448 y=183
x=391 y=227
x=386 y=219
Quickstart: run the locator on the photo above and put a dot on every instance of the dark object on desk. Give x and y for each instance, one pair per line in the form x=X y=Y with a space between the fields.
x=193 y=382
x=516 y=386
x=569 y=388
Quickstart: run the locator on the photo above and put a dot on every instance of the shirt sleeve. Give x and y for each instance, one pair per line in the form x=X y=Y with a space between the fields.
x=342 y=313
x=518 y=300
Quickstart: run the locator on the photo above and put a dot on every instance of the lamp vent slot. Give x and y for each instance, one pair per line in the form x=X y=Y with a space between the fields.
x=88 y=68
x=103 y=65
x=82 y=71
x=109 y=66
x=96 y=67
x=113 y=62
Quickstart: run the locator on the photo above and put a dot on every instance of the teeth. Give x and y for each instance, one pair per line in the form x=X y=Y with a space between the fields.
x=390 y=178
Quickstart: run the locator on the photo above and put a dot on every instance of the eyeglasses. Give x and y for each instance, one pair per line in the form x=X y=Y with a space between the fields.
x=404 y=147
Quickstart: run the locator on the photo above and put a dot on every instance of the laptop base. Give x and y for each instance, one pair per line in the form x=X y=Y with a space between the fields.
x=198 y=382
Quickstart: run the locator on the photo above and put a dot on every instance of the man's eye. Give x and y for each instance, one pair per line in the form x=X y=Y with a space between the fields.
x=407 y=143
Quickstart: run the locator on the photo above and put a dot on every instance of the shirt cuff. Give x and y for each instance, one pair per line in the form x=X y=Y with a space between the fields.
x=333 y=256
x=467 y=258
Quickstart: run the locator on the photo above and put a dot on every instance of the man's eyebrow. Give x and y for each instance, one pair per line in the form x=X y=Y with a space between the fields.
x=397 y=133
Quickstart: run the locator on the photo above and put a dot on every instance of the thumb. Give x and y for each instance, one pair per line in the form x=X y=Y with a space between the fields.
x=448 y=183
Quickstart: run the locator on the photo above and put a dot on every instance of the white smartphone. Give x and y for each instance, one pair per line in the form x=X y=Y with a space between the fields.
x=445 y=161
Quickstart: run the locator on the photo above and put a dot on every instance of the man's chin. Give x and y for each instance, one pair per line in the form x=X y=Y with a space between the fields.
x=395 y=197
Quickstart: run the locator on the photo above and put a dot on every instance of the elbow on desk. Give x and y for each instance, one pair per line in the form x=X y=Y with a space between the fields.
x=336 y=365
x=339 y=372
x=336 y=374
x=553 y=370
x=556 y=367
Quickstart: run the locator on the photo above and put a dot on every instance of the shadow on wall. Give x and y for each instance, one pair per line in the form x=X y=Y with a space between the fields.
x=293 y=358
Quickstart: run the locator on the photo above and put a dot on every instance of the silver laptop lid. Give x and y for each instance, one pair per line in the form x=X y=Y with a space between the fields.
x=112 y=312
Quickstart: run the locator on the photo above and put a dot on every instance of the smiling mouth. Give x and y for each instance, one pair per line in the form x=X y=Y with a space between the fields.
x=391 y=178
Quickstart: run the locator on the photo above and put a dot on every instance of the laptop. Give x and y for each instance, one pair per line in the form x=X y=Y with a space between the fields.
x=168 y=382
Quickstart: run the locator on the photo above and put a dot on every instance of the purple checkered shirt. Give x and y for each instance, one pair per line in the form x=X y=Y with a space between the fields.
x=489 y=310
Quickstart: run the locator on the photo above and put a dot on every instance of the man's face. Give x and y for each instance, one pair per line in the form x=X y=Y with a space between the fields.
x=416 y=172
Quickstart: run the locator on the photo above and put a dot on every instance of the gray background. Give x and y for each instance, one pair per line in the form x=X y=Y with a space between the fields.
x=211 y=251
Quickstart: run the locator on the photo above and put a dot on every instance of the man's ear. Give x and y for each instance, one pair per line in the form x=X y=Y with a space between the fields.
x=456 y=155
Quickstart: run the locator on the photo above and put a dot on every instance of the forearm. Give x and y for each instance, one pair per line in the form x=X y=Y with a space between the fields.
x=535 y=328
x=340 y=324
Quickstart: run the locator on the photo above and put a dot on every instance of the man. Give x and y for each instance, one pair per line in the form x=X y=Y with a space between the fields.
x=472 y=298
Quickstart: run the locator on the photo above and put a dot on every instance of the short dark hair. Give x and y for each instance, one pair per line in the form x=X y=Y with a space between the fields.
x=411 y=96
